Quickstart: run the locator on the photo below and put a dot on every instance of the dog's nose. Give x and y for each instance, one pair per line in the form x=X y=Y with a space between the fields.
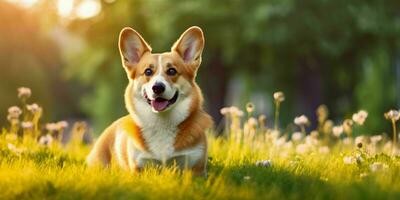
x=158 y=88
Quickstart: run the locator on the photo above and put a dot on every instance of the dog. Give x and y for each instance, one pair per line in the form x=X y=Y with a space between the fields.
x=166 y=123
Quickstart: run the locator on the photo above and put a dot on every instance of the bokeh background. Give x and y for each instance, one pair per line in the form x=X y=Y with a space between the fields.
x=342 y=53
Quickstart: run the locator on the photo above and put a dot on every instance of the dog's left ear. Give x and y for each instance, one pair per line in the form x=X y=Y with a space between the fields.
x=190 y=45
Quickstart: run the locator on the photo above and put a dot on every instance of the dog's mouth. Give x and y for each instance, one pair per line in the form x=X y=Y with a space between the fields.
x=159 y=104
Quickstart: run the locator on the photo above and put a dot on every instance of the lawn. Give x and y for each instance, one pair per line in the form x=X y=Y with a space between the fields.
x=251 y=161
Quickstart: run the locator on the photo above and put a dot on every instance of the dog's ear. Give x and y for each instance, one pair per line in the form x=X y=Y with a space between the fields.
x=190 y=45
x=132 y=46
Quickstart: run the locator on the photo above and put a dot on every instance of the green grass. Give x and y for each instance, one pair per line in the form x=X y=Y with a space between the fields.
x=37 y=172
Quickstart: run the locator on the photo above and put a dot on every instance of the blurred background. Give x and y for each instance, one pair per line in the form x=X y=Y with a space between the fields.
x=342 y=53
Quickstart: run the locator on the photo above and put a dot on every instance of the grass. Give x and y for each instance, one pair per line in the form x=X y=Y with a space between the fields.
x=317 y=166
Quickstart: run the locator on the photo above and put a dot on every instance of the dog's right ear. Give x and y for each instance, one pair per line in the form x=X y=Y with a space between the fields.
x=132 y=46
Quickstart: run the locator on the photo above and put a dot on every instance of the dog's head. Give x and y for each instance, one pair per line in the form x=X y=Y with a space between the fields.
x=161 y=80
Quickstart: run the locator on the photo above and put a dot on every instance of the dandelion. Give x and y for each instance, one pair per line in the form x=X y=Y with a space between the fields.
x=62 y=125
x=250 y=108
x=14 y=112
x=279 y=97
x=33 y=108
x=264 y=163
x=24 y=93
x=324 y=150
x=348 y=126
x=46 y=140
x=393 y=116
x=302 y=148
x=375 y=139
x=377 y=166
x=301 y=121
x=246 y=178
x=297 y=136
x=51 y=127
x=348 y=160
x=360 y=117
x=337 y=131
x=27 y=125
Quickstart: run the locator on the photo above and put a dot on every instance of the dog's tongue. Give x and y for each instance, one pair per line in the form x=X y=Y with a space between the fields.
x=159 y=105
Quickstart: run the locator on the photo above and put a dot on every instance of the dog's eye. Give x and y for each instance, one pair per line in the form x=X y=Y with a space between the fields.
x=171 y=72
x=148 y=72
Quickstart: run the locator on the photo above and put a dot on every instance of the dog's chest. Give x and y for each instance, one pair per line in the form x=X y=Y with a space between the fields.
x=160 y=140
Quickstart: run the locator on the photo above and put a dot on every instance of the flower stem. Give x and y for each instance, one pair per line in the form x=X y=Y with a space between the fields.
x=276 y=122
x=394 y=133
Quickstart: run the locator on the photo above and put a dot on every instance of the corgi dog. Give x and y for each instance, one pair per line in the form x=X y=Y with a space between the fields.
x=166 y=122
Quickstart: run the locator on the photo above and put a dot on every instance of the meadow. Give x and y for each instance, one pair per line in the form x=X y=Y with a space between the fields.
x=249 y=161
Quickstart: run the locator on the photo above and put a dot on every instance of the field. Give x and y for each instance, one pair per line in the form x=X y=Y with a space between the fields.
x=251 y=161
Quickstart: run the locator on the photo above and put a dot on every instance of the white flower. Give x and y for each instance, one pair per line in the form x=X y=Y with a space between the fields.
x=234 y=111
x=51 y=127
x=27 y=125
x=24 y=92
x=297 y=136
x=360 y=117
x=377 y=166
x=252 y=122
x=324 y=149
x=301 y=120
x=392 y=115
x=62 y=124
x=337 y=131
x=225 y=110
x=348 y=160
x=359 y=139
x=347 y=141
x=14 y=112
x=33 y=108
x=375 y=139
x=279 y=96
x=46 y=140
x=302 y=148
x=264 y=163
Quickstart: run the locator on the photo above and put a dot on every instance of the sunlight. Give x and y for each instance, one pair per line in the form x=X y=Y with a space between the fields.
x=64 y=7
x=24 y=3
x=88 y=9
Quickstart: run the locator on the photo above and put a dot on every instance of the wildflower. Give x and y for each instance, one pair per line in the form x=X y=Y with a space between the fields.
x=279 y=96
x=360 y=117
x=27 y=125
x=324 y=149
x=225 y=110
x=301 y=120
x=348 y=126
x=302 y=148
x=246 y=178
x=359 y=140
x=234 y=111
x=51 y=127
x=311 y=141
x=46 y=140
x=280 y=141
x=13 y=148
x=347 y=141
x=264 y=163
x=296 y=136
x=62 y=125
x=314 y=134
x=337 y=131
x=348 y=160
x=327 y=127
x=392 y=115
x=33 y=108
x=24 y=92
x=377 y=166
x=250 y=107
x=14 y=112
x=375 y=139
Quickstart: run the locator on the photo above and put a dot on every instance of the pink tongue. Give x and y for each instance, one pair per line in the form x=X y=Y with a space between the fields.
x=159 y=105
